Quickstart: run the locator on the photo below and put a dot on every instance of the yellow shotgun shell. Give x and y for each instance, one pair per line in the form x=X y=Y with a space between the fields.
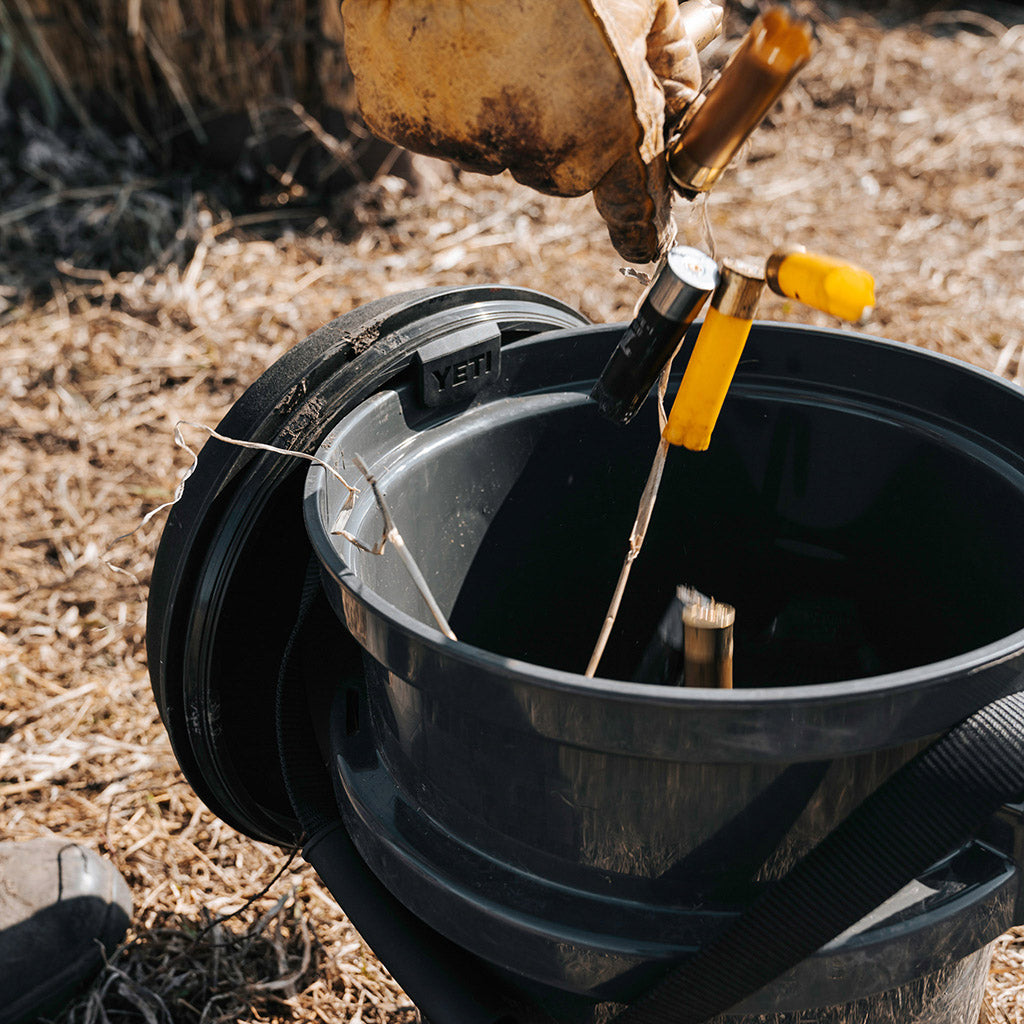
x=822 y=282
x=716 y=354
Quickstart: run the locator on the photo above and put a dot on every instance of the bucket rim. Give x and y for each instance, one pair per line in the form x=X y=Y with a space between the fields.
x=835 y=693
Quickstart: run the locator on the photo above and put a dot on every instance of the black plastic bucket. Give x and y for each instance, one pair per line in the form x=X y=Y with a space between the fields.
x=862 y=507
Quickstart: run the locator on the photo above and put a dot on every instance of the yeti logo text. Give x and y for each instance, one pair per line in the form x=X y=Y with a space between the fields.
x=454 y=368
x=454 y=374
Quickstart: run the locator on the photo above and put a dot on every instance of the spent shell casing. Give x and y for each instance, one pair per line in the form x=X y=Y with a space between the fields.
x=675 y=297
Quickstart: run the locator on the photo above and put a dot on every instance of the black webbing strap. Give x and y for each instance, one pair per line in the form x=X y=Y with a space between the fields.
x=930 y=807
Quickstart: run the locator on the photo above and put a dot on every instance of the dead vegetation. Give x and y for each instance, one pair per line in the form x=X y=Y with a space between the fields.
x=173 y=68
x=899 y=149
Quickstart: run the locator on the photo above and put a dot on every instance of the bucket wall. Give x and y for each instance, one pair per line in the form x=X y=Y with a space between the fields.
x=860 y=506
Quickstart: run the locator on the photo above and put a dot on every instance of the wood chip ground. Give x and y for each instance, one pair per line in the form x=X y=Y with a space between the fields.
x=902 y=149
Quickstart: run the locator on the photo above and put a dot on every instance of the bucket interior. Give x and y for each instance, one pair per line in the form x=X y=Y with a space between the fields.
x=852 y=539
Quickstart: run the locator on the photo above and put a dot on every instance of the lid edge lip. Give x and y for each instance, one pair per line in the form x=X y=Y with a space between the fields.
x=270 y=405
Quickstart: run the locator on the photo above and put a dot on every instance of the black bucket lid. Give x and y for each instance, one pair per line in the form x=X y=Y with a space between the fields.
x=233 y=555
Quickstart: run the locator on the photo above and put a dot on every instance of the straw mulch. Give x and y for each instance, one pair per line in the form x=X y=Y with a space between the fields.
x=899 y=149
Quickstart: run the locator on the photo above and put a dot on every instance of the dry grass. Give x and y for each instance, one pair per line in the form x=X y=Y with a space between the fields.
x=171 y=65
x=899 y=149
x=1004 y=998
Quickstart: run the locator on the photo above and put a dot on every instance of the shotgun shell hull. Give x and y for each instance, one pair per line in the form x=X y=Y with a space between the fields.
x=716 y=354
x=708 y=644
x=676 y=295
x=734 y=104
x=822 y=282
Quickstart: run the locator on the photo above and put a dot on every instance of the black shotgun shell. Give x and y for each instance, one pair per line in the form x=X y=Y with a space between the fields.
x=681 y=287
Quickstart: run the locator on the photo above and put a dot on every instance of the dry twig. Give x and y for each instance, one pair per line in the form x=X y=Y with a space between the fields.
x=639 y=531
x=390 y=533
